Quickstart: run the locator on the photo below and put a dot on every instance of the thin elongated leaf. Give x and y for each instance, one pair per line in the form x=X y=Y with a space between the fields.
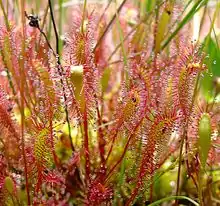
x=124 y=53
x=173 y=198
x=147 y=6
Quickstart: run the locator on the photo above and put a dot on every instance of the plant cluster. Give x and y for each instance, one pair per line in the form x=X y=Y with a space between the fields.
x=95 y=124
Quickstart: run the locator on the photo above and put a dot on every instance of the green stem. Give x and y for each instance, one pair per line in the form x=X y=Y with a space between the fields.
x=179 y=166
x=200 y=175
x=86 y=145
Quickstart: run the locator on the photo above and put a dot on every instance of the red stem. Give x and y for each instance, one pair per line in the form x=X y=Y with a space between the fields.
x=144 y=169
x=51 y=137
x=134 y=194
x=125 y=150
x=22 y=84
x=114 y=136
x=25 y=163
x=86 y=145
x=121 y=158
x=187 y=162
x=110 y=150
x=101 y=141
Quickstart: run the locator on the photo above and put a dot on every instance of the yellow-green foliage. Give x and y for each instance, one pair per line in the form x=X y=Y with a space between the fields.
x=131 y=106
x=9 y=184
x=45 y=77
x=42 y=150
x=163 y=26
x=6 y=53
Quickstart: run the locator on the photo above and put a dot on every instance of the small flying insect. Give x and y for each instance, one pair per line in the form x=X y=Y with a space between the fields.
x=33 y=20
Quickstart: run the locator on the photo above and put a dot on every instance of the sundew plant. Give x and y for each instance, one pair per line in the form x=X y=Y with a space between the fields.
x=109 y=103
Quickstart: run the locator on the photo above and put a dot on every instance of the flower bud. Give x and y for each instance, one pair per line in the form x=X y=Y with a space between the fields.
x=204 y=137
x=217 y=85
x=9 y=184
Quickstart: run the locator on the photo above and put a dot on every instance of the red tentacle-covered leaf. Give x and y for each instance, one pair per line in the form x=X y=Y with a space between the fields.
x=158 y=135
x=155 y=146
x=129 y=112
x=80 y=39
x=80 y=43
x=99 y=194
x=79 y=51
x=3 y=170
x=134 y=101
x=189 y=65
x=10 y=44
x=39 y=157
x=3 y=174
x=9 y=134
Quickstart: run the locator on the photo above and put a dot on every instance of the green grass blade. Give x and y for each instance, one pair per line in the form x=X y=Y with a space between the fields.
x=159 y=202
x=121 y=36
x=5 y=15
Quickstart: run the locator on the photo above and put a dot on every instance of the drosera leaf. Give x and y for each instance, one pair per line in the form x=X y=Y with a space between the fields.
x=204 y=138
x=42 y=152
x=45 y=77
